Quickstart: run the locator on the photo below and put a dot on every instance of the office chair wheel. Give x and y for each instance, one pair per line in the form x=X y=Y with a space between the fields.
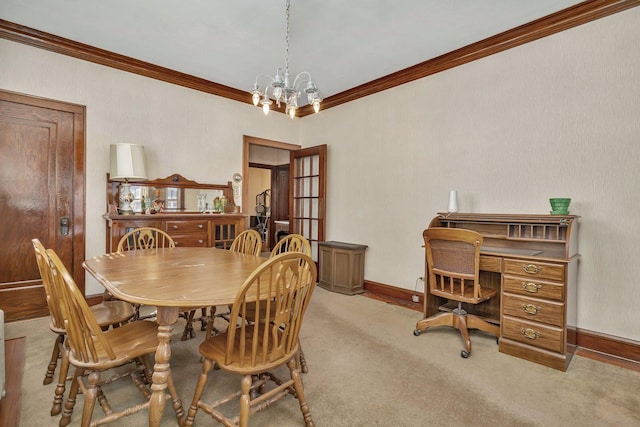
x=464 y=354
x=416 y=332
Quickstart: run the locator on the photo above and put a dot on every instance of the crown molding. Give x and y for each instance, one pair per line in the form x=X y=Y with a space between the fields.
x=579 y=14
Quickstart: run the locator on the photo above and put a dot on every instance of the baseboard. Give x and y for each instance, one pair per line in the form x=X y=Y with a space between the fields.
x=608 y=345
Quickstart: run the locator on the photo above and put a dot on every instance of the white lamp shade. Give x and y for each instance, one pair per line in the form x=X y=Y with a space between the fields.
x=128 y=163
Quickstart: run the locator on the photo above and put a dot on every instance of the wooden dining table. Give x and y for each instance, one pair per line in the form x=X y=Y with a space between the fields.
x=172 y=279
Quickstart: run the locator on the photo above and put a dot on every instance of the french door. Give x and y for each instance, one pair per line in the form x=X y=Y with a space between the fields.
x=307 y=192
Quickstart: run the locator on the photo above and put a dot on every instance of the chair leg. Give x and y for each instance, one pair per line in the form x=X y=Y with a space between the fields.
x=245 y=400
x=460 y=323
x=55 y=355
x=211 y=330
x=202 y=381
x=176 y=402
x=71 y=398
x=188 y=328
x=90 y=397
x=297 y=385
x=302 y=362
x=204 y=319
x=444 y=318
x=58 y=396
x=475 y=322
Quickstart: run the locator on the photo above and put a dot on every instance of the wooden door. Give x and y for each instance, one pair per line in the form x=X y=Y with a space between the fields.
x=41 y=190
x=307 y=184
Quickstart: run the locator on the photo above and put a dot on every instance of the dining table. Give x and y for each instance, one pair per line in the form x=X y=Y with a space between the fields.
x=172 y=279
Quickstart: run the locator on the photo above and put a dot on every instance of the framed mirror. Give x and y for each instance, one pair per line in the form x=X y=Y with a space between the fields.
x=174 y=194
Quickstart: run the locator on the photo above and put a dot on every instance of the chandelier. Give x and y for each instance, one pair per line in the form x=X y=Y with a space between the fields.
x=281 y=87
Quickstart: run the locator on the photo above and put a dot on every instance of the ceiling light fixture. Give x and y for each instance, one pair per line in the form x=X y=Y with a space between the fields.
x=282 y=89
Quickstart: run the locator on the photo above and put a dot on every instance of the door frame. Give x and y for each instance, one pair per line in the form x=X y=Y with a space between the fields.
x=252 y=140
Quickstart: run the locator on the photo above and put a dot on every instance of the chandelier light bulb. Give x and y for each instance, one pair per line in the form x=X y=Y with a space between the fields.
x=292 y=112
x=256 y=97
x=316 y=105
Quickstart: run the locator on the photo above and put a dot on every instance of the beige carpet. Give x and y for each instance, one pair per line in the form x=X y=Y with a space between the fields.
x=367 y=369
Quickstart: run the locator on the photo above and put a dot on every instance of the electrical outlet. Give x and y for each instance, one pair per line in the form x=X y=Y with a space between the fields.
x=415 y=298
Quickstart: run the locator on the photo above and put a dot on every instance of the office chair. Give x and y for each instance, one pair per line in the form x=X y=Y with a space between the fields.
x=453 y=262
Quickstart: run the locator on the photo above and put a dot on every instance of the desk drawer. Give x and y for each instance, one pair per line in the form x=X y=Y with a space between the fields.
x=532 y=333
x=533 y=309
x=533 y=288
x=530 y=268
x=491 y=263
x=186 y=226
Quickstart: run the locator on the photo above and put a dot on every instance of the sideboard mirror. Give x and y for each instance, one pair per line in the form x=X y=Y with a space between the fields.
x=174 y=194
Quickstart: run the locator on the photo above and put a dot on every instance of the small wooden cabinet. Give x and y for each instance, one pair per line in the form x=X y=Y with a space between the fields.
x=341 y=267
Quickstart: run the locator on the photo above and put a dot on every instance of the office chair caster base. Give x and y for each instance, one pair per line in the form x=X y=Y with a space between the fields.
x=465 y=354
x=416 y=332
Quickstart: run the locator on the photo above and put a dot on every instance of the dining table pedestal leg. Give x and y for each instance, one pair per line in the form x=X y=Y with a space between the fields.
x=166 y=318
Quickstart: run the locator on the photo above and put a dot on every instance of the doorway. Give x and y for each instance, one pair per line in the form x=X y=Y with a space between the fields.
x=265 y=195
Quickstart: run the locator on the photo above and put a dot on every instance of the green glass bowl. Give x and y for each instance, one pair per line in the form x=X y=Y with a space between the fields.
x=560 y=203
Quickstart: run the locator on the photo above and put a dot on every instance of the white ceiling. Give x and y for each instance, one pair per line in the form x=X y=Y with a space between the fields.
x=342 y=43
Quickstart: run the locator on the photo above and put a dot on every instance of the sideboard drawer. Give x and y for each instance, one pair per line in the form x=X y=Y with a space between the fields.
x=533 y=333
x=533 y=309
x=533 y=288
x=529 y=268
x=186 y=226
x=190 y=240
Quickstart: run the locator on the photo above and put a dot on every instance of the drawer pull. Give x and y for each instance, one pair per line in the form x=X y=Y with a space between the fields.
x=176 y=242
x=531 y=309
x=200 y=241
x=530 y=333
x=175 y=227
x=531 y=287
x=531 y=269
x=201 y=226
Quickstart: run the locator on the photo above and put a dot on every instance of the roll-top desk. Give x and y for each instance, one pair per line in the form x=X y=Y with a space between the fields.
x=533 y=261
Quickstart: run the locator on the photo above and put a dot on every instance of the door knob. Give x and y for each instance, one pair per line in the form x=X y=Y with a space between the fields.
x=64 y=226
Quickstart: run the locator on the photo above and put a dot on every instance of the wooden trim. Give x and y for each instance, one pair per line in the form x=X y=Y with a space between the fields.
x=579 y=14
x=593 y=342
x=608 y=344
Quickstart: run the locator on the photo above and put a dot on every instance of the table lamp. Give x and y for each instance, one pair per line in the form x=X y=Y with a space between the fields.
x=127 y=165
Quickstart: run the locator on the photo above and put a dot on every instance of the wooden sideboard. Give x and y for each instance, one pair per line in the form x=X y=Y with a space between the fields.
x=533 y=261
x=187 y=225
x=207 y=230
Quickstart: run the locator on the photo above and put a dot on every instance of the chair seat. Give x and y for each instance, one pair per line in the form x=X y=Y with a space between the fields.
x=467 y=296
x=215 y=348
x=111 y=312
x=128 y=342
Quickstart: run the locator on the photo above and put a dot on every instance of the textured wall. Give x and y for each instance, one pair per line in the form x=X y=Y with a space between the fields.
x=183 y=131
x=558 y=117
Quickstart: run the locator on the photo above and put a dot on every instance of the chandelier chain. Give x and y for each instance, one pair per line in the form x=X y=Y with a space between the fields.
x=286 y=41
